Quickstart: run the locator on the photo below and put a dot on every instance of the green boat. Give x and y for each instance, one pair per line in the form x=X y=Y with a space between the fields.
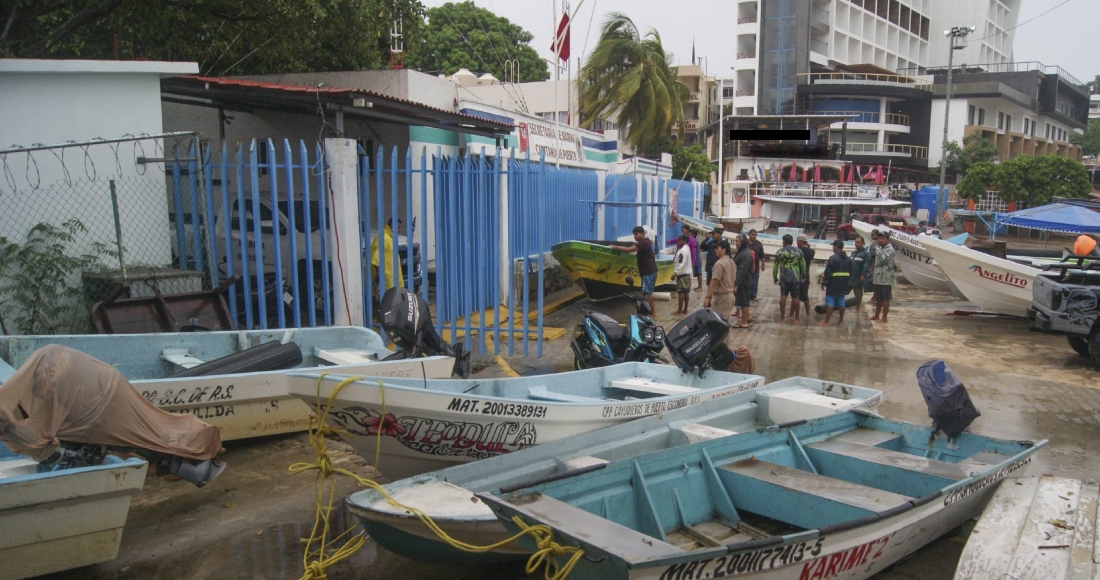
x=601 y=271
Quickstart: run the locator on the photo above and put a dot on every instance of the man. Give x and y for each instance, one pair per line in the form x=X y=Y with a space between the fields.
x=838 y=272
x=882 y=276
x=758 y=253
x=788 y=272
x=861 y=271
x=647 y=263
x=870 y=286
x=719 y=296
x=386 y=257
x=694 y=246
x=682 y=274
x=808 y=255
x=708 y=246
x=743 y=259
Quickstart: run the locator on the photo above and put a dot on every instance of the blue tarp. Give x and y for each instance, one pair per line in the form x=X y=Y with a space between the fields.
x=1056 y=217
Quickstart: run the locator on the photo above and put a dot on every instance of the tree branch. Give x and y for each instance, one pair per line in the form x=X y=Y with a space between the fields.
x=83 y=18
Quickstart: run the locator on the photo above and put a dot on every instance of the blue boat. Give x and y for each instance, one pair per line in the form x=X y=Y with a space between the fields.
x=842 y=496
x=447 y=495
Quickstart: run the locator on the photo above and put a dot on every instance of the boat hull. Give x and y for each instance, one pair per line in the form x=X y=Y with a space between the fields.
x=601 y=271
x=990 y=282
x=240 y=405
x=63 y=519
x=447 y=496
x=424 y=429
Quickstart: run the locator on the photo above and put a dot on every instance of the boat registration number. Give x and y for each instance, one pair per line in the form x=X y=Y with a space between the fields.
x=744 y=562
x=498 y=409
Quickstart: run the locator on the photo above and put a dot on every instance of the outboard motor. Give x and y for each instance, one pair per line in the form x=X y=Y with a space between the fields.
x=697 y=342
x=948 y=403
x=408 y=322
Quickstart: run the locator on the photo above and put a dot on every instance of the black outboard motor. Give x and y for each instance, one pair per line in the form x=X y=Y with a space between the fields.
x=407 y=321
x=697 y=342
x=948 y=403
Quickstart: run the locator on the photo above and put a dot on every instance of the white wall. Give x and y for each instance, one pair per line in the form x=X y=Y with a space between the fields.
x=955 y=127
x=52 y=102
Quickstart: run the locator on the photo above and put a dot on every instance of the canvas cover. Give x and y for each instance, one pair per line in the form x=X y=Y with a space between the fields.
x=61 y=394
x=948 y=403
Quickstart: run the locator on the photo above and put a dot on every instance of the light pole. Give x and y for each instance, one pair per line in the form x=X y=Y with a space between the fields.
x=952 y=34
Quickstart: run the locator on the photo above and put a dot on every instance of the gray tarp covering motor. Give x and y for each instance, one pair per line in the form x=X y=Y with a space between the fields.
x=60 y=394
x=948 y=402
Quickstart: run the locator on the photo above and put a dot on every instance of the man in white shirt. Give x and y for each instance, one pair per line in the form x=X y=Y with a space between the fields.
x=682 y=274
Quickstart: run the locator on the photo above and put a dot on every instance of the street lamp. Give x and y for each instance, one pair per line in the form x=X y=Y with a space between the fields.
x=952 y=34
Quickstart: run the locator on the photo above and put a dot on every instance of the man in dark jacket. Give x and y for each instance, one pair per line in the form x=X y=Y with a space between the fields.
x=758 y=254
x=742 y=295
x=838 y=273
x=708 y=246
x=808 y=256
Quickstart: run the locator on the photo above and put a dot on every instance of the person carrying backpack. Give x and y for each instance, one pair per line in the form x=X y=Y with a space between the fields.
x=788 y=272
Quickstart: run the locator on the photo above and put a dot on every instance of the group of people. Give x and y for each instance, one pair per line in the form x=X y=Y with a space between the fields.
x=733 y=274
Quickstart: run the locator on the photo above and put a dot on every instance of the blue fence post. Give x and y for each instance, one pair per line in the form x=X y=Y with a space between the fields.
x=227 y=228
x=292 y=220
x=326 y=268
x=395 y=259
x=276 y=233
x=307 y=215
x=410 y=274
x=242 y=240
x=207 y=171
x=257 y=237
x=196 y=216
x=424 y=218
x=365 y=232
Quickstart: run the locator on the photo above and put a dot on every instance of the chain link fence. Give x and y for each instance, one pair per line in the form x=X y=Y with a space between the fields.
x=75 y=230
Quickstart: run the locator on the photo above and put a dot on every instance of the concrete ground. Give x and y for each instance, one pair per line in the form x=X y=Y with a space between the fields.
x=1027 y=385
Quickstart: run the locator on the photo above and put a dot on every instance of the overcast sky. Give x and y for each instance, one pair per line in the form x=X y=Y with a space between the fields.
x=1066 y=37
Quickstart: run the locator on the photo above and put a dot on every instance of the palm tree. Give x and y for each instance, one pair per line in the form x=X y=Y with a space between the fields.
x=632 y=77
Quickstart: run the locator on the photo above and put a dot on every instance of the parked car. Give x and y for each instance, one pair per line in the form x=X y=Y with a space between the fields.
x=907 y=224
x=314 y=261
x=1068 y=300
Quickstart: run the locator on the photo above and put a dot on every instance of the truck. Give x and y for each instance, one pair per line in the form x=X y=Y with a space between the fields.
x=311 y=259
x=1066 y=299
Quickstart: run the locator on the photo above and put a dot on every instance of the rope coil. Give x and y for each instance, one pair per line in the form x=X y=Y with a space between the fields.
x=316 y=561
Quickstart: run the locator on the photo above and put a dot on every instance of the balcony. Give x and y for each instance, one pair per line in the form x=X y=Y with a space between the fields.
x=914 y=151
x=744 y=55
x=846 y=78
x=747 y=20
x=745 y=93
x=693 y=97
x=869 y=117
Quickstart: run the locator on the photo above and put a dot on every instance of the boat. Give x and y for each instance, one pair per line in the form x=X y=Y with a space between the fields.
x=447 y=496
x=1035 y=528
x=915 y=262
x=246 y=404
x=841 y=496
x=993 y=283
x=58 y=520
x=600 y=271
x=734 y=210
x=425 y=425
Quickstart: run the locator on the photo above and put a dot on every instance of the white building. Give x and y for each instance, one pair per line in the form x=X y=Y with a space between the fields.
x=1094 y=106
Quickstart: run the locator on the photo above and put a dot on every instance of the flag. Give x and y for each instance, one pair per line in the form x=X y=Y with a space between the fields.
x=562 y=50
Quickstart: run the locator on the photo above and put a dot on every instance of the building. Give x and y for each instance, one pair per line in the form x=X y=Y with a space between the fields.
x=701 y=105
x=1023 y=108
x=780 y=42
x=1094 y=106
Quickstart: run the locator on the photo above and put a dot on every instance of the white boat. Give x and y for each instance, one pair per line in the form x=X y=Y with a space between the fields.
x=64 y=519
x=733 y=208
x=915 y=262
x=995 y=284
x=1035 y=528
x=241 y=405
x=431 y=424
x=447 y=496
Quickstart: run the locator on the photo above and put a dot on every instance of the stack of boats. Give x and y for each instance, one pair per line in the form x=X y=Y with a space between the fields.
x=650 y=472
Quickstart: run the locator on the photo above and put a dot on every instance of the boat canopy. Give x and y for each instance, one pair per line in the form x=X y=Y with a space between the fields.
x=1056 y=217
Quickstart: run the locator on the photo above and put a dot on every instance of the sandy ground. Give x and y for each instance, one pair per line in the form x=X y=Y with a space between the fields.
x=247 y=523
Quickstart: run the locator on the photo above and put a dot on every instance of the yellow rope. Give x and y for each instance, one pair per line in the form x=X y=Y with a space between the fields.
x=325 y=485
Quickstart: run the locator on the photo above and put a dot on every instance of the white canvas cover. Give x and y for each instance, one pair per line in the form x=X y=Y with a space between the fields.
x=61 y=394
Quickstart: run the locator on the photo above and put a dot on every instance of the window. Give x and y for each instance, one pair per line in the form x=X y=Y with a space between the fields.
x=981 y=116
x=1047 y=136
x=1000 y=120
x=727 y=92
x=1008 y=122
x=970 y=115
x=1027 y=125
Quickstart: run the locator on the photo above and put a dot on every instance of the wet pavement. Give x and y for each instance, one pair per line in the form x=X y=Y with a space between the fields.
x=1027 y=385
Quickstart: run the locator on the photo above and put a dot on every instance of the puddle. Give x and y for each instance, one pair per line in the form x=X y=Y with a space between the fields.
x=276 y=551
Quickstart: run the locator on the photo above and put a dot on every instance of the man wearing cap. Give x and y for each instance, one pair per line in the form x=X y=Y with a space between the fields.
x=861 y=271
x=708 y=246
x=647 y=263
x=808 y=256
x=719 y=296
x=838 y=272
x=882 y=277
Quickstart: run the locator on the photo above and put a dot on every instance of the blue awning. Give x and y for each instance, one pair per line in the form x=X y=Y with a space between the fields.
x=1056 y=217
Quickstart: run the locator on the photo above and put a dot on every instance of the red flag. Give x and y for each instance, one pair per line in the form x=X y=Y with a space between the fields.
x=562 y=50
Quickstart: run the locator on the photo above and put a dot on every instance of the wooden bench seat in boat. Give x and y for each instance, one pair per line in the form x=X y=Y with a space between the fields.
x=344 y=356
x=895 y=459
x=597 y=531
x=643 y=385
x=801 y=498
x=180 y=357
x=541 y=393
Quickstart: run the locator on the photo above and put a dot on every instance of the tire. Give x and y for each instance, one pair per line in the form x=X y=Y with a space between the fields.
x=1094 y=348
x=1079 y=344
x=842 y=235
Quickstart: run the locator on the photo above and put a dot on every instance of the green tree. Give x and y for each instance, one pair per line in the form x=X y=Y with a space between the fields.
x=691 y=159
x=1032 y=180
x=1090 y=141
x=462 y=35
x=224 y=37
x=975 y=149
x=631 y=78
